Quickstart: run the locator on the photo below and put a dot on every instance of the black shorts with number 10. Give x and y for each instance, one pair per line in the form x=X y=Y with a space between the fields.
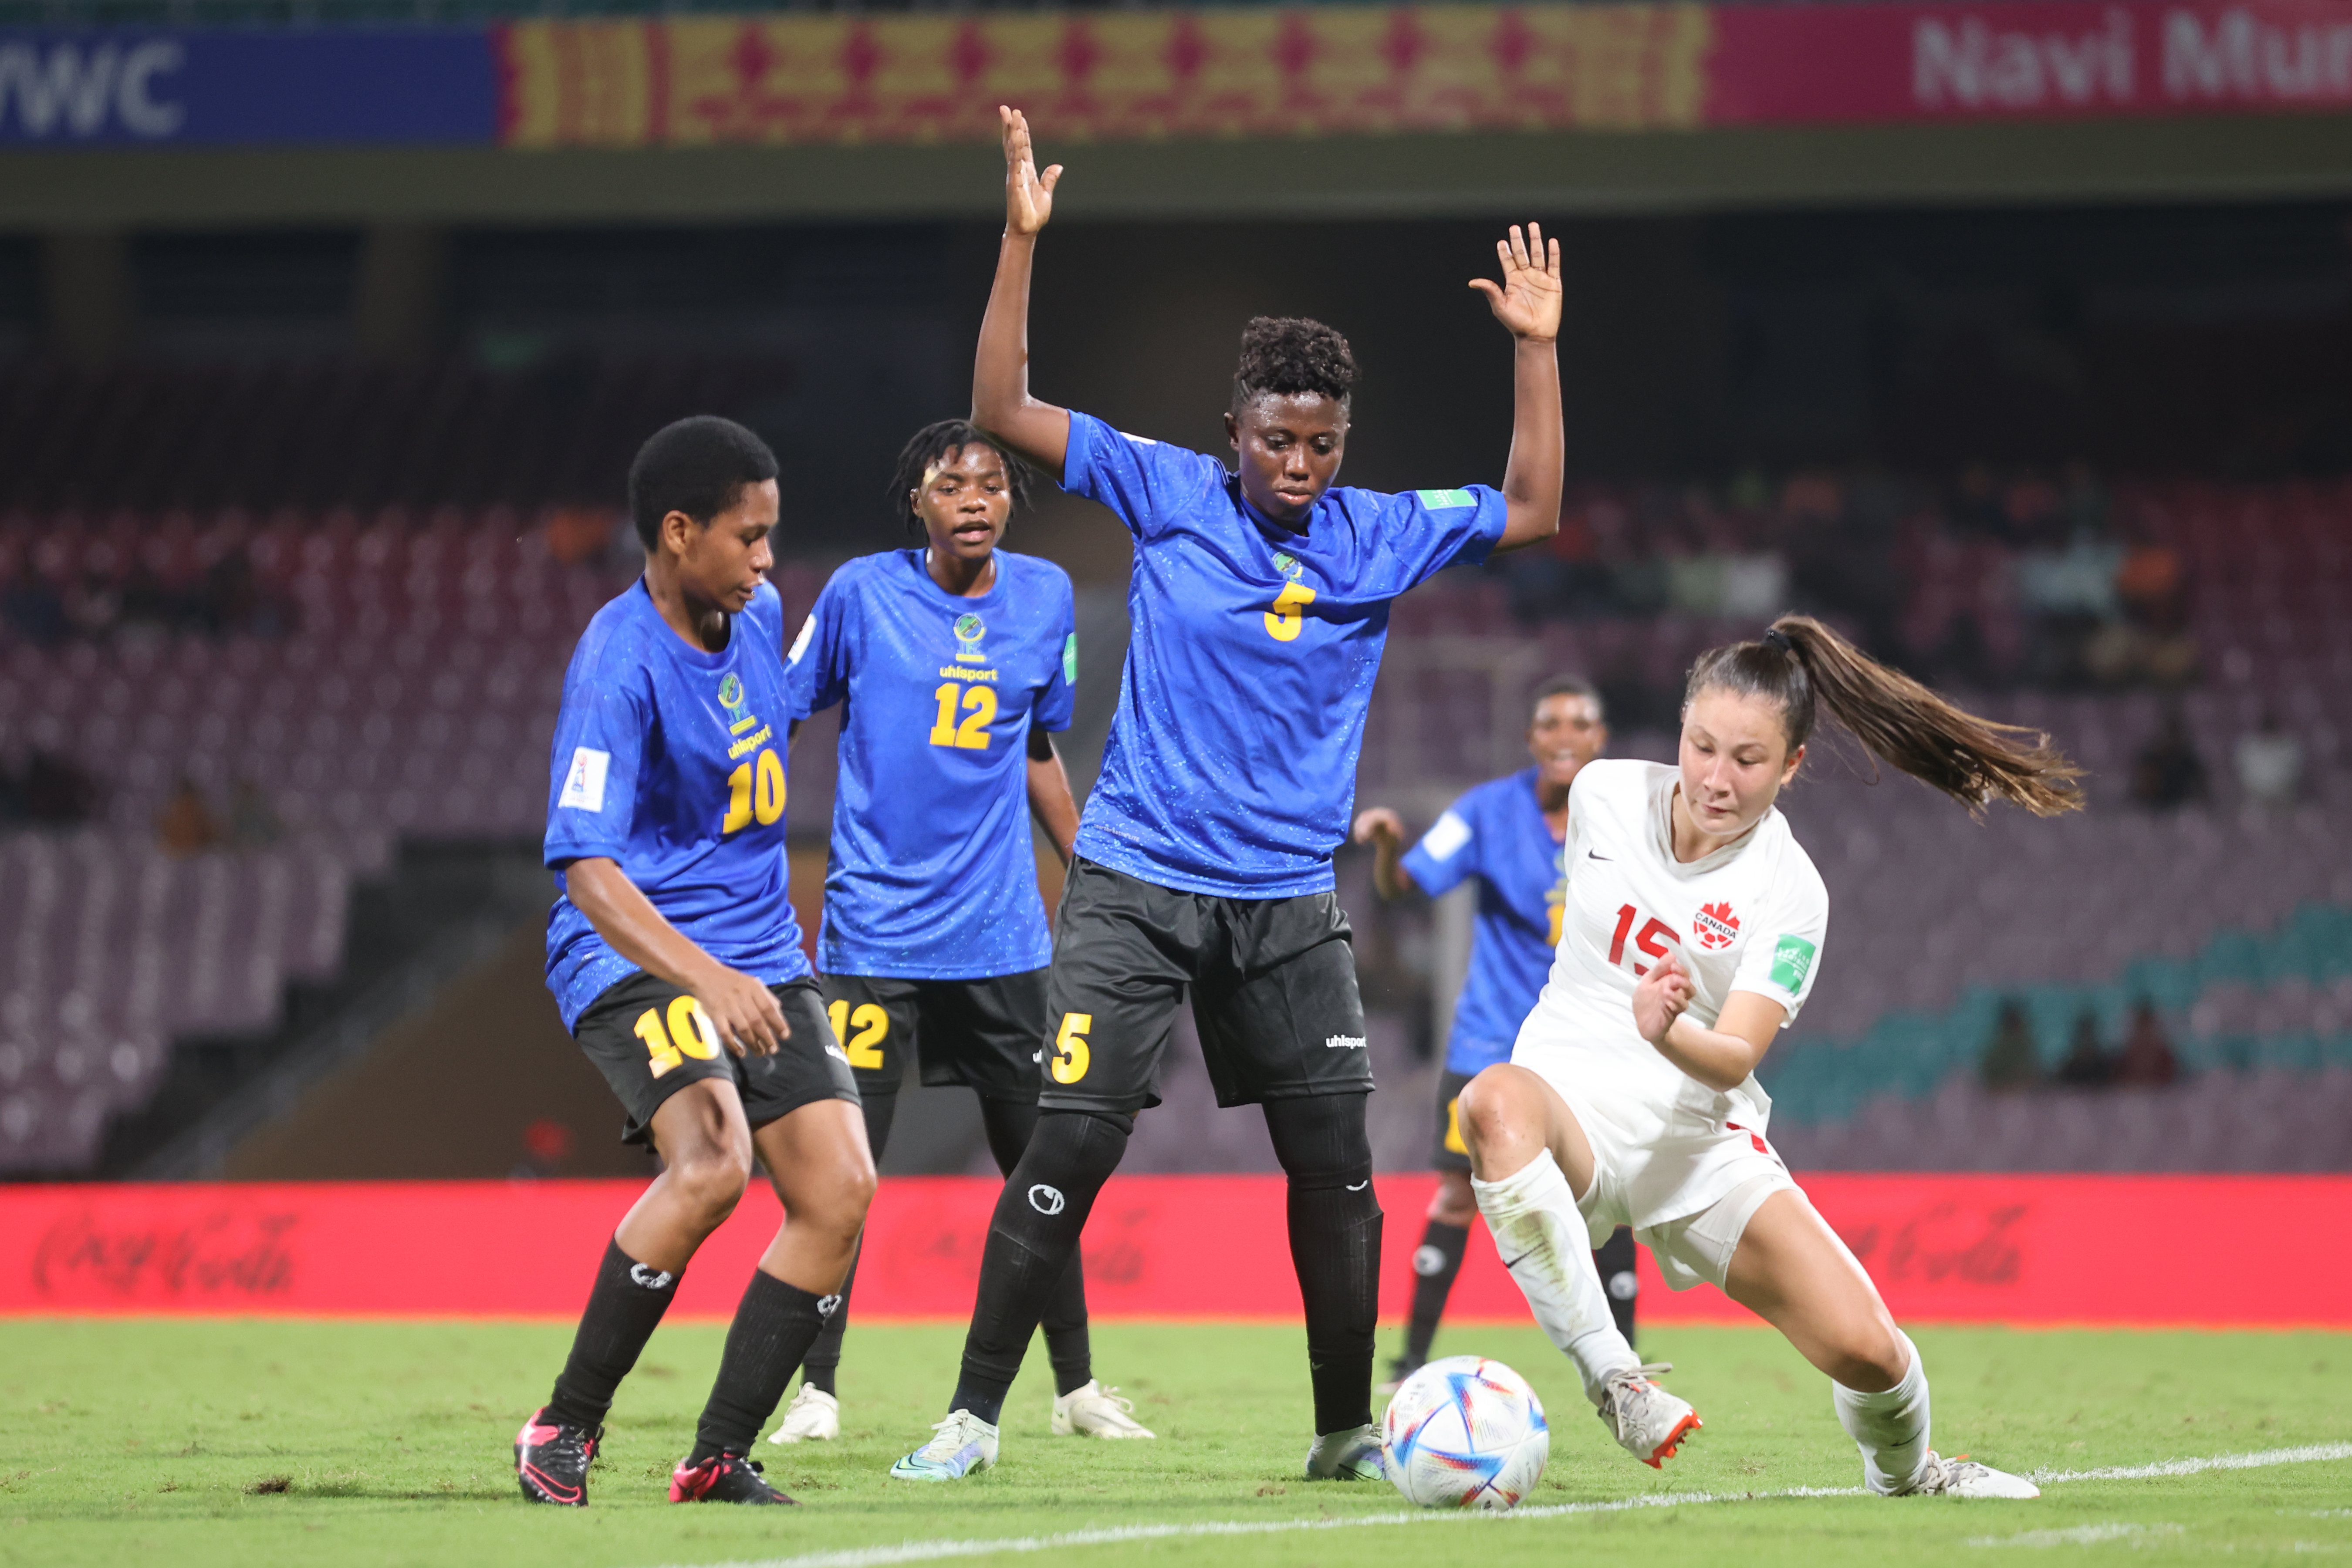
x=1272 y=981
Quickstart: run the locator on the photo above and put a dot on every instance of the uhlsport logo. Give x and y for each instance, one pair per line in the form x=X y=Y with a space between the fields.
x=1344 y=1042
x=1046 y=1200
x=968 y=630
x=1714 y=926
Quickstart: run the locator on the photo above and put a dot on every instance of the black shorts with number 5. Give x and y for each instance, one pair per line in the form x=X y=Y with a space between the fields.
x=986 y=1035
x=1273 y=986
x=651 y=1040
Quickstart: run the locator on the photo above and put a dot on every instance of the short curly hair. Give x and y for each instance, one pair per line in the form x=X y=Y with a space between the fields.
x=1290 y=354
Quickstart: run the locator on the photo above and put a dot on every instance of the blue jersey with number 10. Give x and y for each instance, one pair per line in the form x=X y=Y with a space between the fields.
x=934 y=876
x=1496 y=832
x=1231 y=763
x=669 y=761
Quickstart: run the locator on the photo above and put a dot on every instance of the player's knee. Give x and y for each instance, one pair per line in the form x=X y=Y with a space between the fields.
x=1869 y=1356
x=711 y=1180
x=1494 y=1115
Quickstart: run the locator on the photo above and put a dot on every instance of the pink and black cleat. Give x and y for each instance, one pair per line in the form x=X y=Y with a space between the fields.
x=723 y=1477
x=551 y=1460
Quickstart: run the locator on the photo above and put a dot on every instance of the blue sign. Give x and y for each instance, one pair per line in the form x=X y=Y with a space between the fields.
x=115 y=87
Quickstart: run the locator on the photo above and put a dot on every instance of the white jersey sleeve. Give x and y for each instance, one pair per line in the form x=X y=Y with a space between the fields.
x=1784 y=955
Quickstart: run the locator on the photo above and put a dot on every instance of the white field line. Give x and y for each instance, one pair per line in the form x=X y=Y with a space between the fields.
x=2081 y=1535
x=940 y=1551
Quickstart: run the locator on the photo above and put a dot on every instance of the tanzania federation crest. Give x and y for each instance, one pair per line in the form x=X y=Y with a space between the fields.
x=1288 y=565
x=730 y=693
x=1714 y=926
x=968 y=630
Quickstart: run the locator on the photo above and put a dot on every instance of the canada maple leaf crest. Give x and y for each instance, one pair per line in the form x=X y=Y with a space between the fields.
x=1714 y=926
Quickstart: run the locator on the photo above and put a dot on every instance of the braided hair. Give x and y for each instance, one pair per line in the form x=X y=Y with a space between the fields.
x=939 y=443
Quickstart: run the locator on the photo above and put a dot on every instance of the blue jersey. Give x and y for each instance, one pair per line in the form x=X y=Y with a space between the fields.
x=1497 y=834
x=933 y=874
x=670 y=762
x=1232 y=761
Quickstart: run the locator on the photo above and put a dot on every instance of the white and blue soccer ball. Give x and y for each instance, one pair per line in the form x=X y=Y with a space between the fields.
x=1464 y=1432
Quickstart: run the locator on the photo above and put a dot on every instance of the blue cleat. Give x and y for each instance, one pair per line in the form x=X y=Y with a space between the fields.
x=963 y=1443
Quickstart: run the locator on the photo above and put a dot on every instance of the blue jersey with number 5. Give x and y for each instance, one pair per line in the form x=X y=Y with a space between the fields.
x=670 y=762
x=934 y=876
x=1231 y=763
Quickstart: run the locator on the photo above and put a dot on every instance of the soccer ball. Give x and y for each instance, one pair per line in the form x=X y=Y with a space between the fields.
x=1464 y=1432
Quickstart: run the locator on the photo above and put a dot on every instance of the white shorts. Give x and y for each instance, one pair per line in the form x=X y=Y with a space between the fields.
x=1686 y=1175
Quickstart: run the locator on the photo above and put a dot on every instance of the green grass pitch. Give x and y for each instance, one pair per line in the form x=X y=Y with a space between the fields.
x=254 y=1444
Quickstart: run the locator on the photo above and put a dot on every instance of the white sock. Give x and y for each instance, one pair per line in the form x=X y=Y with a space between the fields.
x=1890 y=1427
x=1545 y=1242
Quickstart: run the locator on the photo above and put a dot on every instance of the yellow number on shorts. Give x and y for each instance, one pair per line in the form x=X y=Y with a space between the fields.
x=1071 y=1057
x=662 y=1054
x=1282 y=622
x=980 y=712
x=872 y=1024
x=690 y=1033
x=1453 y=1143
x=1558 y=913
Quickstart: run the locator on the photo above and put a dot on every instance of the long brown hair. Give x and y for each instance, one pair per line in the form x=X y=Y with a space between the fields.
x=1799 y=662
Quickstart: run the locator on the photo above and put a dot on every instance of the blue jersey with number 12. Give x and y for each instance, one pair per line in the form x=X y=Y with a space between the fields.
x=1232 y=762
x=669 y=761
x=934 y=876
x=1496 y=832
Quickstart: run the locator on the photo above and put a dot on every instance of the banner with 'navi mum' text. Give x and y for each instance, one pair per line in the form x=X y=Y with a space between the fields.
x=845 y=78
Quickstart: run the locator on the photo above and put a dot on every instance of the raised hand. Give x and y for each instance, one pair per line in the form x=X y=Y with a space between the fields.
x=1528 y=300
x=1379 y=825
x=1029 y=195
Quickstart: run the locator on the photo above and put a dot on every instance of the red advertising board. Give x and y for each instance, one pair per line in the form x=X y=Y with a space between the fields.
x=2138 y=1250
x=2037 y=59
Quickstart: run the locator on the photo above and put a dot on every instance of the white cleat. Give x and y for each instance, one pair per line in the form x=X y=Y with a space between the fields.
x=959 y=1444
x=1095 y=1411
x=813 y=1416
x=1647 y=1420
x=1350 y=1456
x=1963 y=1476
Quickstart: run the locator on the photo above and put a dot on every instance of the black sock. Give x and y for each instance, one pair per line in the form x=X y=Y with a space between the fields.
x=1435 y=1262
x=822 y=1364
x=1335 y=1245
x=1031 y=1241
x=624 y=1306
x=1010 y=1123
x=1615 y=1261
x=773 y=1330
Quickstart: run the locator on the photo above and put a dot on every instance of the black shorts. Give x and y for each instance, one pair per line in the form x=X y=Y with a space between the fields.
x=1273 y=984
x=1451 y=1154
x=650 y=1039
x=987 y=1035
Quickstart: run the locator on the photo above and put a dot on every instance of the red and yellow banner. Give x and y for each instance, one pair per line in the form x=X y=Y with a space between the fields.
x=1364 y=70
x=1134 y=76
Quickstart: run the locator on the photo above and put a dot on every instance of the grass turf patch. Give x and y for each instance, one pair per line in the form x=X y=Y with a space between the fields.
x=253 y=1444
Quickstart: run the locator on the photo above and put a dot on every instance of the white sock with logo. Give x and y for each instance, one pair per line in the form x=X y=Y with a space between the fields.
x=1891 y=1427
x=1546 y=1245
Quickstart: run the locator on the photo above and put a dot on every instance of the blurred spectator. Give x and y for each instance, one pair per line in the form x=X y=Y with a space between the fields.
x=2147 y=1060
x=2270 y=763
x=2012 y=1062
x=546 y=1144
x=2087 y=1064
x=31 y=608
x=577 y=534
x=253 y=822
x=2168 y=774
x=186 y=825
x=51 y=792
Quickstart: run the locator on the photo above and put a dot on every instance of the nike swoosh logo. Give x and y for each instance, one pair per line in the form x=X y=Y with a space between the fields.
x=1596 y=854
x=1359 y=1186
x=1514 y=1262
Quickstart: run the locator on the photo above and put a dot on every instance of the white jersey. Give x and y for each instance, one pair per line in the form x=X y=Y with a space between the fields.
x=1748 y=917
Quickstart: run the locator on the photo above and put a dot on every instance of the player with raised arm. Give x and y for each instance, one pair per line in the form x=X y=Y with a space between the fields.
x=1260 y=602
x=677 y=963
x=955 y=660
x=1508 y=834
x=1692 y=936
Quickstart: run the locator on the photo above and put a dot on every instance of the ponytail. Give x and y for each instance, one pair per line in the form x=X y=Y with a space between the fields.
x=1900 y=722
